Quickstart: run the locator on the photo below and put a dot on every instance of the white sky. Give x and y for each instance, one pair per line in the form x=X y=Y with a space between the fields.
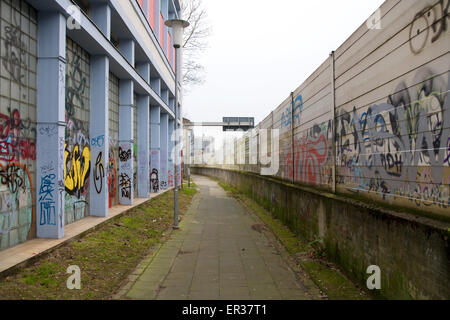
x=261 y=50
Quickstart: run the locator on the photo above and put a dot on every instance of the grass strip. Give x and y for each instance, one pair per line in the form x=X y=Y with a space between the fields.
x=105 y=256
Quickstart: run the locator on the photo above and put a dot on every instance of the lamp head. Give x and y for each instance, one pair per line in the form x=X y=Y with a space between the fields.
x=177 y=26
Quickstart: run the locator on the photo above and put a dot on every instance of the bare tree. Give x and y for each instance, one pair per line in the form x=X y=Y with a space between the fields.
x=195 y=42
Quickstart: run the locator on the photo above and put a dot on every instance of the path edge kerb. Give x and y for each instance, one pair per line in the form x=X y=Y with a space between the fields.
x=29 y=261
x=129 y=282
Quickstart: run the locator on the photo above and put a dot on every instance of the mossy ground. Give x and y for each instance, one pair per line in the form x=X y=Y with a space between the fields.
x=105 y=256
x=309 y=255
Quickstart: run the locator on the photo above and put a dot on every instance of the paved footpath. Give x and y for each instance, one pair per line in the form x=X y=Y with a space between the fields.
x=219 y=253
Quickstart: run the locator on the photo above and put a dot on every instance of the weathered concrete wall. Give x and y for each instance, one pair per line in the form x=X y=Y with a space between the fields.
x=413 y=253
x=376 y=113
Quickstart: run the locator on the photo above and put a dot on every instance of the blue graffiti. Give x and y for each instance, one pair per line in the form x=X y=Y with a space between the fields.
x=296 y=107
x=47 y=204
x=98 y=141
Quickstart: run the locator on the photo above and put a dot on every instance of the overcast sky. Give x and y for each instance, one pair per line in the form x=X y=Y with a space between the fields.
x=259 y=52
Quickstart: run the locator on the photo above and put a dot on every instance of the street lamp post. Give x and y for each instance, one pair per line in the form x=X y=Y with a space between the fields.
x=177 y=26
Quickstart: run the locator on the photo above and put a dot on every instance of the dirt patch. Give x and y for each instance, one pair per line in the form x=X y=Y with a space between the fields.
x=259 y=227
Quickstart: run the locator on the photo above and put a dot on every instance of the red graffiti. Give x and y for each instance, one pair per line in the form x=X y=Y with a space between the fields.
x=310 y=157
x=288 y=166
x=27 y=149
x=170 y=179
x=12 y=146
x=112 y=178
x=7 y=152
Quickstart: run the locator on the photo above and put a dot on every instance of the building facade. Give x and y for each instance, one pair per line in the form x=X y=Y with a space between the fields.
x=87 y=98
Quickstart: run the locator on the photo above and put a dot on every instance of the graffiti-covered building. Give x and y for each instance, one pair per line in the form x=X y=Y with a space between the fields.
x=87 y=103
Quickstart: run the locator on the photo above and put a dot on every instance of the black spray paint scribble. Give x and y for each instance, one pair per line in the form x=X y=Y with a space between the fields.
x=430 y=21
x=125 y=185
x=76 y=85
x=124 y=155
x=12 y=177
x=154 y=178
x=99 y=173
x=15 y=55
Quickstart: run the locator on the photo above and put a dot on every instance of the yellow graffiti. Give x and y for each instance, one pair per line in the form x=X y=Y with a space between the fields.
x=76 y=177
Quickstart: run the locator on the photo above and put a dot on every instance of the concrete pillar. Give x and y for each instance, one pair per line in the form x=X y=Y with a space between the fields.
x=171 y=168
x=165 y=95
x=126 y=47
x=100 y=13
x=155 y=150
x=143 y=69
x=50 y=135
x=99 y=132
x=164 y=177
x=143 y=123
x=155 y=83
x=126 y=95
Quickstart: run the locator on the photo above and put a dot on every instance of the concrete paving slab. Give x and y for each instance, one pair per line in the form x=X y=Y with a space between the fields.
x=218 y=254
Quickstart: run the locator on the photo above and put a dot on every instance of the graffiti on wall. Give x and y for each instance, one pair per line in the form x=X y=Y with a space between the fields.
x=125 y=185
x=297 y=107
x=400 y=148
x=76 y=86
x=154 y=179
x=16 y=204
x=428 y=26
x=99 y=173
x=77 y=152
x=15 y=54
x=124 y=155
x=135 y=168
x=170 y=181
x=112 y=173
x=17 y=130
x=125 y=171
x=311 y=154
x=17 y=137
x=47 y=215
x=77 y=168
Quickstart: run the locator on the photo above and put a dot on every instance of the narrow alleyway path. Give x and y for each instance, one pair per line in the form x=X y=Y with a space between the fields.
x=219 y=253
